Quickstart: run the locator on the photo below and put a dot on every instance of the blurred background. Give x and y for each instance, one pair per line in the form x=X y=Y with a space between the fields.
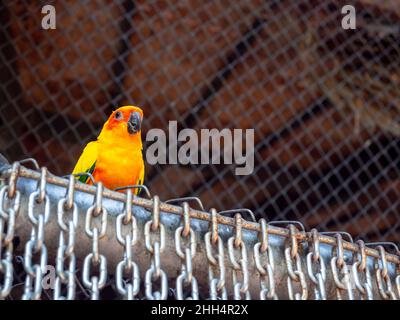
x=324 y=102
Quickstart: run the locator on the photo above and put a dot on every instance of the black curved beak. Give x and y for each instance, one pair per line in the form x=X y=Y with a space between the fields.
x=134 y=123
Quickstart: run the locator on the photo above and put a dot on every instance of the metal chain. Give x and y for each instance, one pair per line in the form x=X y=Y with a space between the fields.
x=127 y=235
x=397 y=280
x=155 y=248
x=234 y=243
x=186 y=277
x=318 y=277
x=295 y=275
x=266 y=268
x=9 y=209
x=339 y=266
x=66 y=245
x=361 y=274
x=91 y=280
x=382 y=276
x=217 y=284
x=127 y=279
x=36 y=246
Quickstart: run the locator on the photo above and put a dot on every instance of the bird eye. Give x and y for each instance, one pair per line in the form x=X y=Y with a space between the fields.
x=118 y=115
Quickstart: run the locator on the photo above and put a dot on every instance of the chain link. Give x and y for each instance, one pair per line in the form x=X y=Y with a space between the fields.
x=266 y=268
x=318 y=277
x=295 y=275
x=235 y=243
x=94 y=259
x=216 y=284
x=339 y=266
x=12 y=181
x=186 y=277
x=36 y=246
x=66 y=248
x=155 y=248
x=9 y=209
x=382 y=276
x=7 y=203
x=361 y=274
x=127 y=235
x=397 y=280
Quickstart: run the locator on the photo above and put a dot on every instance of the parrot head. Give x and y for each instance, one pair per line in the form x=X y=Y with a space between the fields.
x=125 y=123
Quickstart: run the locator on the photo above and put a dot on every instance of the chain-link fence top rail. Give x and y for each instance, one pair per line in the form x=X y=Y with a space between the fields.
x=324 y=102
x=105 y=244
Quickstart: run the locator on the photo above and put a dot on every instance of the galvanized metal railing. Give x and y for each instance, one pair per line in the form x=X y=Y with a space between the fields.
x=149 y=249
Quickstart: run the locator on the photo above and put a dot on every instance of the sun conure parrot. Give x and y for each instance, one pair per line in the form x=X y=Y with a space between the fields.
x=115 y=158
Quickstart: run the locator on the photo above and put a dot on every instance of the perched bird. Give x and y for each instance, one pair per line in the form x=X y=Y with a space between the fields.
x=115 y=158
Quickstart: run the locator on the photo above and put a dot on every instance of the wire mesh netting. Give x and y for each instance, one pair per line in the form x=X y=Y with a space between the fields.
x=323 y=101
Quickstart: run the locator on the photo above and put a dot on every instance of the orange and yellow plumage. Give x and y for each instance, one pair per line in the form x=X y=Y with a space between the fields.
x=115 y=158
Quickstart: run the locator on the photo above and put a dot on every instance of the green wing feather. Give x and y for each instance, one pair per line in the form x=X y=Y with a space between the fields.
x=84 y=179
x=87 y=161
x=140 y=180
